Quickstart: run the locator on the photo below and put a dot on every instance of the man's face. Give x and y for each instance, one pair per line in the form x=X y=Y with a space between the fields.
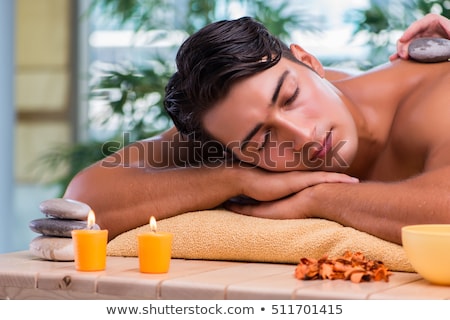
x=285 y=118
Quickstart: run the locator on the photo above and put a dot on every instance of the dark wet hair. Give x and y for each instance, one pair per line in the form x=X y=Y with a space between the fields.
x=210 y=61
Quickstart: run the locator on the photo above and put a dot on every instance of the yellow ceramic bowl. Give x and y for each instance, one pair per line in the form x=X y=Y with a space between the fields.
x=427 y=247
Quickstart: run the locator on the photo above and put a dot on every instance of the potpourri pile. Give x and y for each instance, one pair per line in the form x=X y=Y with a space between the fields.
x=351 y=266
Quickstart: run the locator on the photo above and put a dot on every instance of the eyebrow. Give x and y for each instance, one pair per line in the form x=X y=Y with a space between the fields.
x=274 y=98
x=276 y=92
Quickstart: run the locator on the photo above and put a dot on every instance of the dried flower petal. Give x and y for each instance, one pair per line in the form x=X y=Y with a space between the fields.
x=326 y=271
x=357 y=276
x=353 y=270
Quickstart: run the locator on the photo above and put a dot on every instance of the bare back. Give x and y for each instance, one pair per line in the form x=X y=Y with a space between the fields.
x=419 y=136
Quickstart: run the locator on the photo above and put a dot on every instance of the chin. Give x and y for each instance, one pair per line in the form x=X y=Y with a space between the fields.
x=338 y=159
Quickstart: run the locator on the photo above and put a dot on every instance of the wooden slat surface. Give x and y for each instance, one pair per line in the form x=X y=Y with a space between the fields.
x=23 y=276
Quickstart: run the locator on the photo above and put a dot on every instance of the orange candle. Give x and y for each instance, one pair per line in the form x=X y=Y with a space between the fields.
x=89 y=247
x=155 y=250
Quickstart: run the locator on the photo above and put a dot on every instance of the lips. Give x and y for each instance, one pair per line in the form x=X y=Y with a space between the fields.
x=323 y=149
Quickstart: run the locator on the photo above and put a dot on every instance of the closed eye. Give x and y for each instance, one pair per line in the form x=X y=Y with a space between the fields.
x=293 y=97
x=266 y=139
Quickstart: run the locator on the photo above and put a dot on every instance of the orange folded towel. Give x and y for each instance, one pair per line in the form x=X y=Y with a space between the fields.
x=224 y=235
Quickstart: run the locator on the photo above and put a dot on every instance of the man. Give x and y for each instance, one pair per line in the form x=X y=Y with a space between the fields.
x=370 y=151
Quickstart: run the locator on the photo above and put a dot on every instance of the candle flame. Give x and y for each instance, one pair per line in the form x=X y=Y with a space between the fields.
x=152 y=224
x=91 y=220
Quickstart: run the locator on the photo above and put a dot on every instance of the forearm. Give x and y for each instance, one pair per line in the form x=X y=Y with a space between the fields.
x=381 y=209
x=125 y=198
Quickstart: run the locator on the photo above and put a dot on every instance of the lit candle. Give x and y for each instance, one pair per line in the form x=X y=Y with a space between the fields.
x=89 y=246
x=155 y=249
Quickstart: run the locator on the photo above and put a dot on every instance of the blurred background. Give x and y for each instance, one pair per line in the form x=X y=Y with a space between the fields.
x=82 y=78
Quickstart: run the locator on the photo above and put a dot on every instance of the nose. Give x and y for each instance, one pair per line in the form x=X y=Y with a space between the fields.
x=293 y=131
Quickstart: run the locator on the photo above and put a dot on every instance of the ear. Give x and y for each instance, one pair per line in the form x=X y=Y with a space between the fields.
x=307 y=59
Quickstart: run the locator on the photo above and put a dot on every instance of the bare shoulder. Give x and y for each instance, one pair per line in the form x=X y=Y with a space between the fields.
x=161 y=150
x=332 y=74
